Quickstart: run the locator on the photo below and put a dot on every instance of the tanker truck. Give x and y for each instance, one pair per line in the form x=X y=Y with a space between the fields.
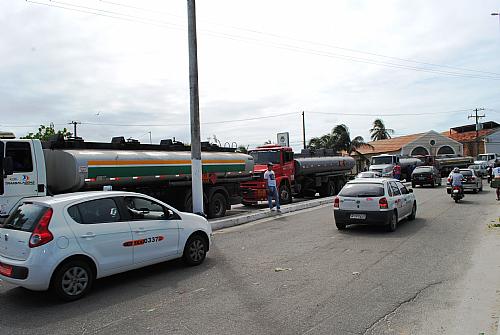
x=302 y=174
x=32 y=168
x=384 y=164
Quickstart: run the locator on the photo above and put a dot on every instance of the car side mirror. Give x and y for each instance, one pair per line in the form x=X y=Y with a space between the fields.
x=8 y=166
x=410 y=190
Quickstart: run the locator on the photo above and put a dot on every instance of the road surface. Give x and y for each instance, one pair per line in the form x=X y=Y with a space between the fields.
x=297 y=274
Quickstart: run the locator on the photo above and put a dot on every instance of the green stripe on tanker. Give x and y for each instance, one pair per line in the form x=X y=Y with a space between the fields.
x=141 y=171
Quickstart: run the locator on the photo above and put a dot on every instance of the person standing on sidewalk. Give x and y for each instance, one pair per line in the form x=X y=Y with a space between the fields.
x=397 y=171
x=270 y=178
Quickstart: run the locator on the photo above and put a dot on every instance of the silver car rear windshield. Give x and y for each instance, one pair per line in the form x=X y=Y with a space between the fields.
x=25 y=217
x=362 y=190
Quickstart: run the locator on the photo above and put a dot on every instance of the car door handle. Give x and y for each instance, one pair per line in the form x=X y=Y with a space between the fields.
x=88 y=235
x=139 y=230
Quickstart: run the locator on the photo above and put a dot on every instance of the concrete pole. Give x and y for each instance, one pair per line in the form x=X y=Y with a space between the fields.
x=196 y=165
x=304 y=128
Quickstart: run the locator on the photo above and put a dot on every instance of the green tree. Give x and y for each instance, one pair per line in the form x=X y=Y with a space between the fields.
x=45 y=132
x=340 y=140
x=379 y=131
x=242 y=149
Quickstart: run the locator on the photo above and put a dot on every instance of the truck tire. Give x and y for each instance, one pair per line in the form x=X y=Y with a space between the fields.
x=327 y=189
x=217 y=206
x=285 y=194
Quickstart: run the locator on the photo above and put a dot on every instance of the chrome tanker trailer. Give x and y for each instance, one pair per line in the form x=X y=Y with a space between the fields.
x=304 y=175
x=162 y=171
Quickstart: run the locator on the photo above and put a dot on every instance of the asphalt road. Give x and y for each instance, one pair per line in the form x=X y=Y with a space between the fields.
x=425 y=278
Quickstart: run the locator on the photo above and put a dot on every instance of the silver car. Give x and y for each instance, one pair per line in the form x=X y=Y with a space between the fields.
x=471 y=181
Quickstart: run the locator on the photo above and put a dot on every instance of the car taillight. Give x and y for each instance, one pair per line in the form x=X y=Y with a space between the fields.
x=449 y=180
x=336 y=202
x=41 y=234
x=473 y=178
x=383 y=204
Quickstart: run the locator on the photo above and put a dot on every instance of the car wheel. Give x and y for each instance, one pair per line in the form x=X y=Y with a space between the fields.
x=474 y=190
x=72 y=280
x=340 y=226
x=413 y=212
x=439 y=182
x=433 y=184
x=393 y=223
x=195 y=250
x=217 y=206
x=285 y=194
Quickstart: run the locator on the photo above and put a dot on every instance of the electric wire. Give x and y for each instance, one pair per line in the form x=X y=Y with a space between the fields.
x=261 y=42
x=311 y=42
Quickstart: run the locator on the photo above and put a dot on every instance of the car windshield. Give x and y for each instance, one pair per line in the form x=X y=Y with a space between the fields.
x=264 y=157
x=422 y=169
x=381 y=160
x=466 y=173
x=475 y=167
x=24 y=217
x=362 y=190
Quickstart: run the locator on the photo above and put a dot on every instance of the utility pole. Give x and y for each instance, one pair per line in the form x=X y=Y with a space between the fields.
x=150 y=142
x=477 y=117
x=304 y=128
x=196 y=164
x=74 y=123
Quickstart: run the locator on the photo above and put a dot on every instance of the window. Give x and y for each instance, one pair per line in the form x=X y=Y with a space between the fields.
x=145 y=209
x=419 y=151
x=95 y=211
x=380 y=160
x=402 y=188
x=21 y=156
x=264 y=157
x=395 y=188
x=362 y=190
x=25 y=217
x=445 y=150
x=287 y=156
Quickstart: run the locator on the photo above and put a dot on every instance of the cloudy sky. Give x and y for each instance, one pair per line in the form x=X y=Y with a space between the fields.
x=121 y=67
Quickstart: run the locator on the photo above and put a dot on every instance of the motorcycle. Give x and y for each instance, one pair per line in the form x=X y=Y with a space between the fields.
x=456 y=193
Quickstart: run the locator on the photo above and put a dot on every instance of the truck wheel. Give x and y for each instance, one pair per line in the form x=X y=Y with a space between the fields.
x=285 y=194
x=217 y=206
x=327 y=189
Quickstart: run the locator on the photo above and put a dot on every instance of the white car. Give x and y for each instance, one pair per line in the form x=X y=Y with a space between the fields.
x=65 y=242
x=374 y=201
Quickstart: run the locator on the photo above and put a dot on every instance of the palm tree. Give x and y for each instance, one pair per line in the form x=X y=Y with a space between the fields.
x=340 y=140
x=379 y=131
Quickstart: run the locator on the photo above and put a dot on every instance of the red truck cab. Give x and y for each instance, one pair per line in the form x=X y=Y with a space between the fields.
x=283 y=167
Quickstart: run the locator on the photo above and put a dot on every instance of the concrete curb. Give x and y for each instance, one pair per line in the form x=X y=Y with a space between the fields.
x=266 y=213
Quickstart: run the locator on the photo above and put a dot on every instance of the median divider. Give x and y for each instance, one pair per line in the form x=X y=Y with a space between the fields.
x=266 y=213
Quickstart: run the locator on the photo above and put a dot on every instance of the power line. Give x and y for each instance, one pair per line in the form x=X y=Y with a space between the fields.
x=283 y=46
x=310 y=42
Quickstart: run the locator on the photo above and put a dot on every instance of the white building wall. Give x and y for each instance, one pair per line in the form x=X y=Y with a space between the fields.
x=492 y=142
x=439 y=141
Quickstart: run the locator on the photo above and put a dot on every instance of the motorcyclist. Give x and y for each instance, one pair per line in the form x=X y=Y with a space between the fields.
x=456 y=179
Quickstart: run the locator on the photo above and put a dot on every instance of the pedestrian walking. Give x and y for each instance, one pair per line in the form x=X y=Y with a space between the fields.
x=495 y=182
x=396 y=171
x=272 y=192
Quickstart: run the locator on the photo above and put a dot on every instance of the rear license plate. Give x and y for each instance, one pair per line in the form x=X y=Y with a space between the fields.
x=421 y=178
x=358 y=216
x=5 y=270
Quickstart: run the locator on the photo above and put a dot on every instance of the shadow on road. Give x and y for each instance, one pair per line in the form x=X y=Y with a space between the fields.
x=24 y=309
x=405 y=228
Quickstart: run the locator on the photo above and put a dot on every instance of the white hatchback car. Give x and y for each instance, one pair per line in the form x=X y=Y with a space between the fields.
x=65 y=242
x=374 y=201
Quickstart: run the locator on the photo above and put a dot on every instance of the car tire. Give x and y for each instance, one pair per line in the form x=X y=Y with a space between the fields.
x=433 y=184
x=340 y=225
x=413 y=212
x=474 y=191
x=217 y=206
x=440 y=182
x=393 y=223
x=195 y=250
x=285 y=194
x=72 y=280
x=413 y=185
